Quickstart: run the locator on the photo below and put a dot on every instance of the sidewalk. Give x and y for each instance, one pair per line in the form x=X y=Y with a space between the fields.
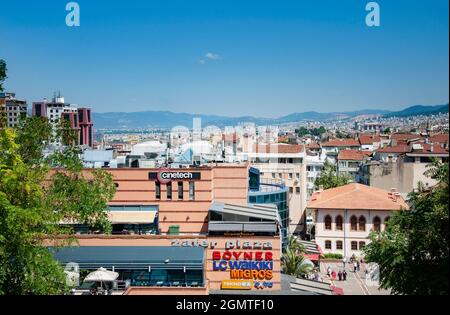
x=355 y=283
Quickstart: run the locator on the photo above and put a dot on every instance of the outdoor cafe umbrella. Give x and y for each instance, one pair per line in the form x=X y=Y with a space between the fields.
x=101 y=275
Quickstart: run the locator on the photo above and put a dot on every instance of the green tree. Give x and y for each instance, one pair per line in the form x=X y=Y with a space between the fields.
x=3 y=71
x=329 y=178
x=35 y=199
x=293 y=262
x=413 y=251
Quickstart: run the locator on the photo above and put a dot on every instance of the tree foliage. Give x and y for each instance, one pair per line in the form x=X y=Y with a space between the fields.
x=413 y=251
x=38 y=192
x=329 y=178
x=317 y=132
x=293 y=262
x=3 y=71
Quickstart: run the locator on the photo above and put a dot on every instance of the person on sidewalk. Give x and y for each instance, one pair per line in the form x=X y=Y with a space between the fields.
x=344 y=275
x=344 y=262
x=340 y=275
x=329 y=271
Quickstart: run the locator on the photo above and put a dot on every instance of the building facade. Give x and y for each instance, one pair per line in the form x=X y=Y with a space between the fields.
x=12 y=110
x=345 y=216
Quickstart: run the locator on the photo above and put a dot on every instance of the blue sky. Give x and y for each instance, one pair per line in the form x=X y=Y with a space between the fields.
x=266 y=58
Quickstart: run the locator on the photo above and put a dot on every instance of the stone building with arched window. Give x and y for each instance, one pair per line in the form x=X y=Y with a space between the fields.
x=345 y=216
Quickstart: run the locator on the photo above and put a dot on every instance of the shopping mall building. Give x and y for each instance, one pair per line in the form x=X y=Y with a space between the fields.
x=194 y=230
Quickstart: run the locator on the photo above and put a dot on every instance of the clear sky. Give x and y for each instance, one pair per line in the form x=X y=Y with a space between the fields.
x=228 y=57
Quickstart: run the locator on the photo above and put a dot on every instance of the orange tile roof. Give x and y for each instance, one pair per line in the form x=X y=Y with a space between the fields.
x=405 y=136
x=353 y=155
x=395 y=149
x=369 y=139
x=341 y=143
x=440 y=138
x=278 y=148
x=429 y=149
x=357 y=197
x=313 y=145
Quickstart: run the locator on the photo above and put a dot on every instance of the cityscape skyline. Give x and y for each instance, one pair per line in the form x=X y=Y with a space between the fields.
x=203 y=57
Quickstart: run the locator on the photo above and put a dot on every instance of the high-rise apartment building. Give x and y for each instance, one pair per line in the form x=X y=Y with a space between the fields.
x=11 y=110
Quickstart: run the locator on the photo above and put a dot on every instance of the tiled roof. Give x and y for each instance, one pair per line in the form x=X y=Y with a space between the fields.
x=341 y=143
x=369 y=139
x=353 y=155
x=313 y=145
x=395 y=149
x=440 y=138
x=356 y=196
x=278 y=148
x=427 y=148
x=405 y=136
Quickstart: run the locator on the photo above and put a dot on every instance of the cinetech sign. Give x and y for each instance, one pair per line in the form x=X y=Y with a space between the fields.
x=166 y=176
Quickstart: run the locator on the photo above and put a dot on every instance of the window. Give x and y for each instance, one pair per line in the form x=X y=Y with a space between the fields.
x=327 y=244
x=180 y=190
x=376 y=224
x=169 y=190
x=353 y=223
x=328 y=222
x=361 y=245
x=297 y=175
x=290 y=175
x=273 y=175
x=291 y=190
x=339 y=223
x=297 y=190
x=280 y=175
x=362 y=223
x=191 y=191
x=354 y=245
x=339 y=245
x=157 y=190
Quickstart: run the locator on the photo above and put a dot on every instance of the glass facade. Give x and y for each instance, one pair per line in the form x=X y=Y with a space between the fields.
x=274 y=192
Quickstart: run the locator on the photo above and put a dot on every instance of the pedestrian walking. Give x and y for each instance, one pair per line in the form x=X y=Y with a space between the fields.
x=343 y=262
x=340 y=275
x=344 y=275
x=333 y=275
x=329 y=271
x=355 y=266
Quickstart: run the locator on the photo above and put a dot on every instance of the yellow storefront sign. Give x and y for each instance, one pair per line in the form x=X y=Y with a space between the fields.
x=237 y=285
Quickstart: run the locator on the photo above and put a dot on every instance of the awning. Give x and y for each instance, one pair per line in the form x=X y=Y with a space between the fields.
x=131 y=257
x=312 y=257
x=265 y=212
x=262 y=227
x=132 y=217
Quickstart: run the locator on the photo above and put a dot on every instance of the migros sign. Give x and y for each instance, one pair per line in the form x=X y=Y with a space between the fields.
x=165 y=176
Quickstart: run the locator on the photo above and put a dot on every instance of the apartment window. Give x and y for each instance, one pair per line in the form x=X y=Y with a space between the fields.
x=291 y=190
x=339 y=223
x=354 y=245
x=157 y=190
x=191 y=191
x=290 y=175
x=376 y=224
x=353 y=223
x=328 y=221
x=280 y=175
x=169 y=190
x=297 y=175
x=297 y=190
x=327 y=244
x=361 y=245
x=362 y=223
x=273 y=175
x=180 y=190
x=339 y=245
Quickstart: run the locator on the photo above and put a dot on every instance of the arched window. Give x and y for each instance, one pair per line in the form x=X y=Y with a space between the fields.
x=362 y=223
x=353 y=223
x=328 y=222
x=339 y=223
x=327 y=244
x=376 y=224
x=338 y=244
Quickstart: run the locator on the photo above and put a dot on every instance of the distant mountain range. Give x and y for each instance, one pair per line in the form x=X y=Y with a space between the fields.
x=167 y=119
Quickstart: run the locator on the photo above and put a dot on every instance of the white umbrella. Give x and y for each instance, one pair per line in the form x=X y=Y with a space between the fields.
x=101 y=275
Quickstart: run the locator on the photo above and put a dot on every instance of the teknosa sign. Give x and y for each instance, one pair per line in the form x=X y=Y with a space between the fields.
x=166 y=176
